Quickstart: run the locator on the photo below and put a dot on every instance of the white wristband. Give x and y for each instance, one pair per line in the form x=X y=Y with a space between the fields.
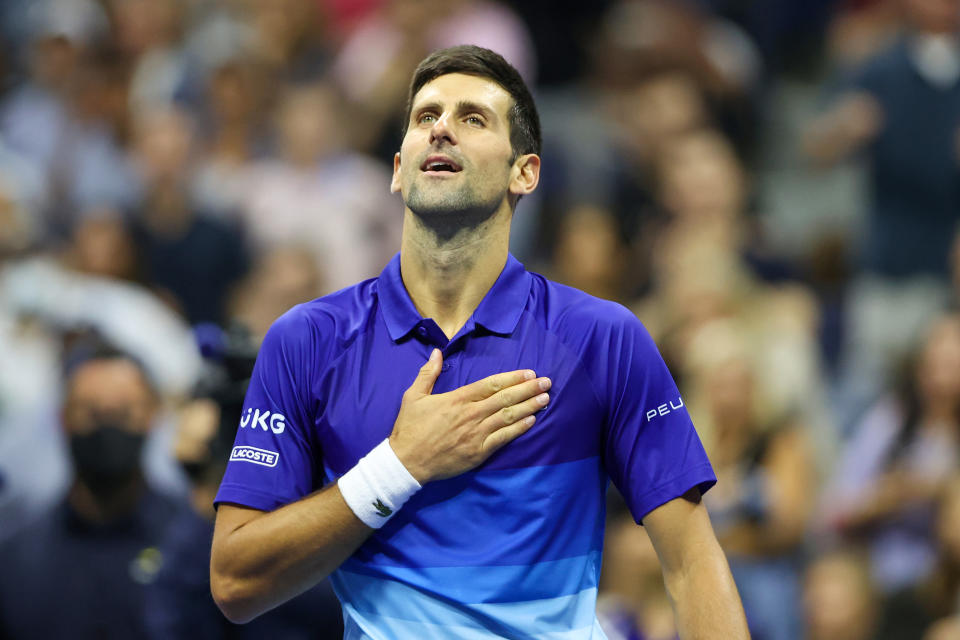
x=377 y=486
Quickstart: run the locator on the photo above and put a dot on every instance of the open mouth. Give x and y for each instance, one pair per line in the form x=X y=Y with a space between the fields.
x=440 y=165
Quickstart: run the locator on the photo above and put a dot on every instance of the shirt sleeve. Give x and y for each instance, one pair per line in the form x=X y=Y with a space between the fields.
x=275 y=459
x=652 y=451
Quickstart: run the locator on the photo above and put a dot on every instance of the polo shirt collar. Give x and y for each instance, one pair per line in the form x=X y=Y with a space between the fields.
x=498 y=312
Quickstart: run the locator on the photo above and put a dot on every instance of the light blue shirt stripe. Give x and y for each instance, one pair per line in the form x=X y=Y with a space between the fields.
x=377 y=628
x=383 y=608
x=493 y=583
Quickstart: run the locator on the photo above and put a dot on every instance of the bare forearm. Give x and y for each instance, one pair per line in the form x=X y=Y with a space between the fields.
x=274 y=556
x=705 y=597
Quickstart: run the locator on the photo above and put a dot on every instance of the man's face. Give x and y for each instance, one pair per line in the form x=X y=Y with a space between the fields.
x=108 y=412
x=456 y=159
x=108 y=390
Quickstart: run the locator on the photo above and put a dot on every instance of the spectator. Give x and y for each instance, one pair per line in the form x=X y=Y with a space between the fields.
x=290 y=39
x=722 y=59
x=765 y=468
x=44 y=299
x=701 y=182
x=69 y=118
x=102 y=246
x=913 y=610
x=839 y=600
x=60 y=299
x=607 y=140
x=34 y=114
x=900 y=110
x=590 y=255
x=233 y=122
x=896 y=462
x=91 y=165
x=310 y=196
x=191 y=259
x=719 y=51
x=374 y=63
x=94 y=553
x=701 y=277
x=280 y=279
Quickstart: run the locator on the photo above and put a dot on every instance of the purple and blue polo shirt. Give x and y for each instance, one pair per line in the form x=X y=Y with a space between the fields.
x=511 y=548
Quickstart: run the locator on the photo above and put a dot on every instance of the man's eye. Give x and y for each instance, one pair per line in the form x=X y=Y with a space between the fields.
x=427 y=118
x=475 y=120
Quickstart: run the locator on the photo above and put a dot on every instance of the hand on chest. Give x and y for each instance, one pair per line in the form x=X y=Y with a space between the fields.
x=364 y=395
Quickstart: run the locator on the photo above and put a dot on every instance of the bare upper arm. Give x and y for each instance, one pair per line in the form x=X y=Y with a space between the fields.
x=680 y=529
x=695 y=570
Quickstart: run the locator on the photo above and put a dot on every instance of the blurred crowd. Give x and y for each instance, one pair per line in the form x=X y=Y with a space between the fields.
x=772 y=186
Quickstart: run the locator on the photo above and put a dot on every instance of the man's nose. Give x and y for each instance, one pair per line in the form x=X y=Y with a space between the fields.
x=442 y=130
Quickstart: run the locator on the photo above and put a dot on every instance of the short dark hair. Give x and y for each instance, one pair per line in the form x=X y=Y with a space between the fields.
x=90 y=347
x=477 y=61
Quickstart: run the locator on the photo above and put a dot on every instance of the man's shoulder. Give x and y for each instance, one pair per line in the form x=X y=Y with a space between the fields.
x=565 y=308
x=605 y=335
x=339 y=312
x=326 y=324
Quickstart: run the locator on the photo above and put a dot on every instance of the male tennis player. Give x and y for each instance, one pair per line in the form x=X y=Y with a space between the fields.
x=470 y=502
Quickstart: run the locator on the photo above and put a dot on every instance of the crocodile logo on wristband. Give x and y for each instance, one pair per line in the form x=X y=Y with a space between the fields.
x=382 y=509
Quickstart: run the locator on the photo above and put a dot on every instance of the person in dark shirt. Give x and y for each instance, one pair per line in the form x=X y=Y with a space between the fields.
x=901 y=110
x=901 y=113
x=191 y=259
x=80 y=570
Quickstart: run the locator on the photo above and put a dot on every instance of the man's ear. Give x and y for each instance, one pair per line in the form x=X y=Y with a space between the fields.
x=395 y=180
x=525 y=175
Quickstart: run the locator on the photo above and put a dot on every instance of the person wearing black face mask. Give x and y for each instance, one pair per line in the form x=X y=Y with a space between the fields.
x=81 y=570
x=107 y=459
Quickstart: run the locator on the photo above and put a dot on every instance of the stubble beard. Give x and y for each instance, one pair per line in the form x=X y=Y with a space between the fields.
x=458 y=212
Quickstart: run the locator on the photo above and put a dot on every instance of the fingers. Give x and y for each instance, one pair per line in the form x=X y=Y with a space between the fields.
x=507 y=434
x=429 y=372
x=483 y=389
x=516 y=412
x=515 y=395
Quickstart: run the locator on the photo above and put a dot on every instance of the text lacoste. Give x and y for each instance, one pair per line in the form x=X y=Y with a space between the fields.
x=275 y=422
x=254 y=455
x=664 y=409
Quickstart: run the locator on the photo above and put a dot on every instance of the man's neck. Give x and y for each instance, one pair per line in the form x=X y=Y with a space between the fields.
x=447 y=278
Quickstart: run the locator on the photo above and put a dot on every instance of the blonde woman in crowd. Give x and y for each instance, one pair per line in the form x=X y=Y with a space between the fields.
x=765 y=471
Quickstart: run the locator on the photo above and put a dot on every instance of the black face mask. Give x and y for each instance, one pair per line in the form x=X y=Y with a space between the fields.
x=108 y=457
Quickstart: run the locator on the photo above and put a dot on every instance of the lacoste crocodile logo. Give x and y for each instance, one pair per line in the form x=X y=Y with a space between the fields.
x=381 y=508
